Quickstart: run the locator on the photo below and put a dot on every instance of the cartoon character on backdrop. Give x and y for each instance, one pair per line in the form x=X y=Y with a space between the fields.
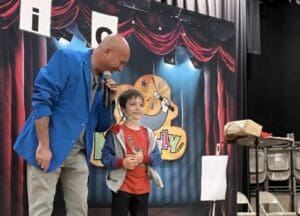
x=159 y=113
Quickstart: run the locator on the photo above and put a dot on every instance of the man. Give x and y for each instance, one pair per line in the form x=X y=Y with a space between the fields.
x=68 y=106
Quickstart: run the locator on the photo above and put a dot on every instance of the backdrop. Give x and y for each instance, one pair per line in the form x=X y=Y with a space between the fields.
x=201 y=85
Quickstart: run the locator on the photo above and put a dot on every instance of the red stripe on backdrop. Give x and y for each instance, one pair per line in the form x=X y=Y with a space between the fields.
x=207 y=111
x=20 y=120
x=42 y=52
x=231 y=107
x=221 y=106
x=6 y=142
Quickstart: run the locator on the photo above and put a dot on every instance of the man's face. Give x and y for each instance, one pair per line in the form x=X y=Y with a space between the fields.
x=116 y=59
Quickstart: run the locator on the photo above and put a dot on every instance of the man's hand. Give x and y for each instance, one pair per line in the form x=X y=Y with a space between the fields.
x=43 y=157
x=112 y=86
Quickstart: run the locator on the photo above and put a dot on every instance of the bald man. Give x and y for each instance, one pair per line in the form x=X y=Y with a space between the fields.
x=67 y=107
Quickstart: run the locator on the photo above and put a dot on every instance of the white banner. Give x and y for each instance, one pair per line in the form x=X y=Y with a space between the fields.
x=213 y=178
x=35 y=16
x=102 y=25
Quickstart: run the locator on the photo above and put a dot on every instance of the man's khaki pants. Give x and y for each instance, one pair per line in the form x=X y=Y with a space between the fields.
x=73 y=175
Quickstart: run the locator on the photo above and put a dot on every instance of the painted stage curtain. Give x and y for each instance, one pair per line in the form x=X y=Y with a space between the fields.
x=246 y=18
x=12 y=117
x=20 y=54
x=24 y=53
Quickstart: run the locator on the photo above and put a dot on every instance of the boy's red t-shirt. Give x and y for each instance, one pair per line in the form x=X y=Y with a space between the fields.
x=137 y=180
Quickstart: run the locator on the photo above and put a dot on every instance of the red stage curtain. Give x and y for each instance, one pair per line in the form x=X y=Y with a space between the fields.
x=15 y=100
x=15 y=70
x=12 y=118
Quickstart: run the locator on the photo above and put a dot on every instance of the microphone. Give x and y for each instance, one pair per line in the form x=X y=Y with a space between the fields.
x=159 y=97
x=107 y=92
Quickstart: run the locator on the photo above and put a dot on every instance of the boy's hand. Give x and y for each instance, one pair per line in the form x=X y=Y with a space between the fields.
x=130 y=162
